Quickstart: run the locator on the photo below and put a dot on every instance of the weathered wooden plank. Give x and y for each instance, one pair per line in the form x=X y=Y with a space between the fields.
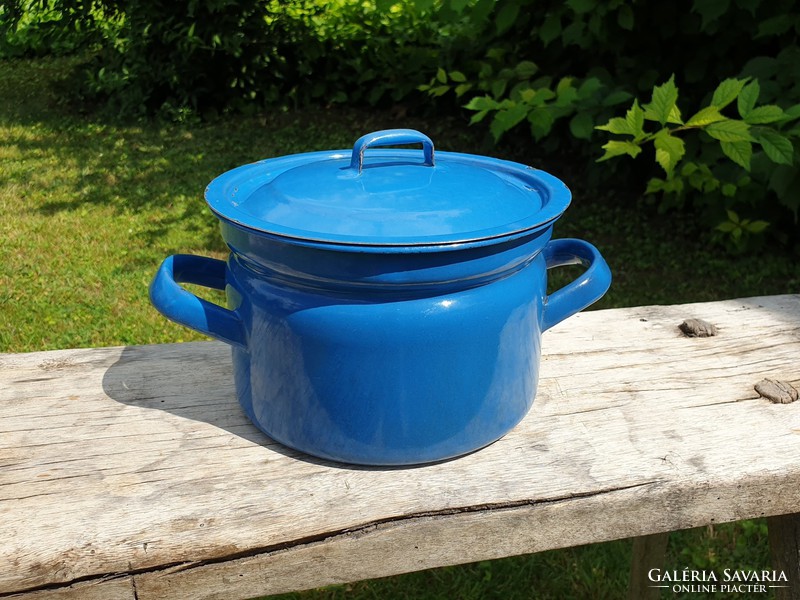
x=649 y=552
x=784 y=545
x=114 y=588
x=429 y=541
x=138 y=460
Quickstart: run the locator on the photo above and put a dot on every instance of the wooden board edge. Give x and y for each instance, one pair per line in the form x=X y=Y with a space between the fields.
x=424 y=542
x=120 y=587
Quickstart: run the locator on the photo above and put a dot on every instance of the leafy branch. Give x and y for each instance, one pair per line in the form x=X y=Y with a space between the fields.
x=753 y=128
x=736 y=136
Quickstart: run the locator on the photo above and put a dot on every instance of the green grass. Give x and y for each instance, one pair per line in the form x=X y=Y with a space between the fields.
x=89 y=208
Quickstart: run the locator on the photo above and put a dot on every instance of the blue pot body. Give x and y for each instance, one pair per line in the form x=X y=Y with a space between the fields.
x=392 y=366
x=399 y=360
x=383 y=355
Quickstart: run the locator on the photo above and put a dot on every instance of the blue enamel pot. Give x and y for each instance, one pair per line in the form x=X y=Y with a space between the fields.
x=385 y=306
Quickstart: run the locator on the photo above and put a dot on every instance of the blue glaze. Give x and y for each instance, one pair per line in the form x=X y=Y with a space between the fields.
x=400 y=198
x=390 y=137
x=383 y=353
x=185 y=308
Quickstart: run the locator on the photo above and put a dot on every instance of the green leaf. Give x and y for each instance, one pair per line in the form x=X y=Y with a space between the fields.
x=495 y=53
x=757 y=226
x=732 y=216
x=550 y=29
x=792 y=112
x=480 y=10
x=705 y=116
x=768 y=113
x=675 y=115
x=617 y=125
x=544 y=94
x=669 y=150
x=566 y=94
x=663 y=102
x=616 y=97
x=625 y=17
x=384 y=5
x=478 y=117
x=762 y=67
x=618 y=148
x=739 y=152
x=439 y=90
x=674 y=186
x=499 y=87
x=581 y=7
x=458 y=5
x=526 y=69
x=527 y=95
x=589 y=88
x=730 y=130
x=481 y=103
x=729 y=190
x=574 y=33
x=581 y=126
x=747 y=98
x=458 y=76
x=775 y=26
x=441 y=75
x=726 y=227
x=710 y=10
x=777 y=148
x=632 y=124
x=635 y=119
x=506 y=17
x=655 y=185
x=463 y=89
x=727 y=91
x=507 y=118
x=785 y=182
x=541 y=120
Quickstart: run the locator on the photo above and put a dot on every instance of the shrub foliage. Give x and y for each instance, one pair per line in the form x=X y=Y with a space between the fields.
x=577 y=77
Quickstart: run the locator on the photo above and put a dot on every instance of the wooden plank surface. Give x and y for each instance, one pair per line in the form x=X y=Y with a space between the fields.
x=135 y=465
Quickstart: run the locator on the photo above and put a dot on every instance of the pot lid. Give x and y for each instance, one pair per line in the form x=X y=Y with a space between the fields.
x=388 y=197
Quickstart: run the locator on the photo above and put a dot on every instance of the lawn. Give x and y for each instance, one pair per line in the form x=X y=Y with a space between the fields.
x=89 y=207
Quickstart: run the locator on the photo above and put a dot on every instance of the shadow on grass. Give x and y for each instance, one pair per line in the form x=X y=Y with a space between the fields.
x=73 y=163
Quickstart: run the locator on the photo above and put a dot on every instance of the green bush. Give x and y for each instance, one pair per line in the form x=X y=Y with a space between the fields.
x=198 y=54
x=52 y=27
x=720 y=140
x=544 y=73
x=215 y=55
x=559 y=69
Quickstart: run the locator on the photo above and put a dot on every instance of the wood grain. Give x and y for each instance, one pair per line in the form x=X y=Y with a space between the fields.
x=136 y=463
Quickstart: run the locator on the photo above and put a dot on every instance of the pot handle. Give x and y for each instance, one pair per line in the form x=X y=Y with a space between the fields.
x=391 y=137
x=585 y=290
x=183 y=307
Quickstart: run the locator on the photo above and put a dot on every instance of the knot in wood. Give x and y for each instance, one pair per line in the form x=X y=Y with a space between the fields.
x=697 y=328
x=777 y=392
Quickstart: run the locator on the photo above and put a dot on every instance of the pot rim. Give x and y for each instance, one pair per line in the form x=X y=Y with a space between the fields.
x=223 y=196
x=364 y=248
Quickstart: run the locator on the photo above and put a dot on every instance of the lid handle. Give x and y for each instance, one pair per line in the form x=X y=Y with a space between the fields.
x=391 y=137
